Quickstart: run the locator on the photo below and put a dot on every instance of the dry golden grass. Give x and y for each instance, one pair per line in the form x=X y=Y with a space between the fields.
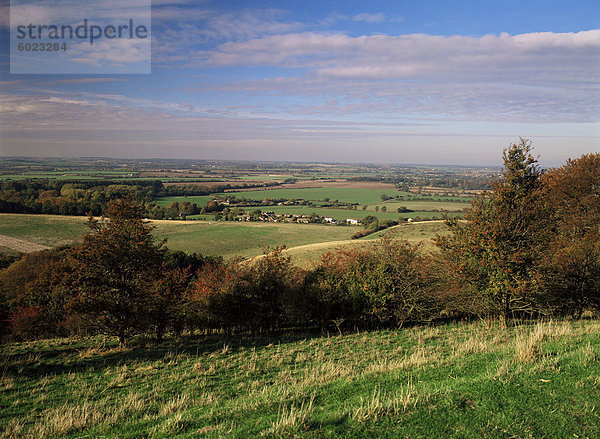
x=291 y=419
x=288 y=389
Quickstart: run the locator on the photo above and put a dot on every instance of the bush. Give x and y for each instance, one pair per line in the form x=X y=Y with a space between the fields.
x=257 y=295
x=386 y=285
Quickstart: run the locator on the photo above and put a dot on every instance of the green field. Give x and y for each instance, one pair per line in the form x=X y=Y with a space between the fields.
x=225 y=239
x=434 y=204
x=455 y=380
x=343 y=214
x=230 y=239
x=343 y=195
x=50 y=230
x=369 y=197
x=420 y=232
x=200 y=200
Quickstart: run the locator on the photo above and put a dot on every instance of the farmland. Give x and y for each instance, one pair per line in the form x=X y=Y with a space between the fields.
x=319 y=200
x=50 y=230
x=471 y=379
x=245 y=240
x=214 y=238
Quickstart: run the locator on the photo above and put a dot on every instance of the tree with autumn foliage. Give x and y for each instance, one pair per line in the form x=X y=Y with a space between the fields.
x=571 y=266
x=115 y=270
x=498 y=246
x=386 y=284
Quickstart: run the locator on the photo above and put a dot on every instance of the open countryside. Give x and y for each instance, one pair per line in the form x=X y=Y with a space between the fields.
x=300 y=219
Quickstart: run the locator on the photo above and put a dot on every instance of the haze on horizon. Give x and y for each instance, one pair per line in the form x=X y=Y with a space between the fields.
x=379 y=82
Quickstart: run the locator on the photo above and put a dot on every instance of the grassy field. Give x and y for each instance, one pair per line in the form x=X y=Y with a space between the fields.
x=50 y=230
x=200 y=200
x=422 y=232
x=343 y=214
x=225 y=239
x=230 y=239
x=423 y=205
x=344 y=195
x=455 y=380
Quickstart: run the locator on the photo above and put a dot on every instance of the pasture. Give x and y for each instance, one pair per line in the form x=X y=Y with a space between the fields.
x=49 y=230
x=343 y=214
x=420 y=232
x=343 y=195
x=467 y=380
x=200 y=200
x=225 y=239
x=228 y=239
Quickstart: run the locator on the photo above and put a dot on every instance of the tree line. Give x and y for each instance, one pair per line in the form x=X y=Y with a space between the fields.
x=530 y=247
x=81 y=198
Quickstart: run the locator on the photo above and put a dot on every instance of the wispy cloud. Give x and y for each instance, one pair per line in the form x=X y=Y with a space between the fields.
x=370 y=18
x=549 y=76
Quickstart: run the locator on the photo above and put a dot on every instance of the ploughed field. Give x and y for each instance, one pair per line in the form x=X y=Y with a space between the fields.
x=454 y=380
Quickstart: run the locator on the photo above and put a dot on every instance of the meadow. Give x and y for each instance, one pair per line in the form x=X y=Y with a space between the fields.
x=467 y=380
x=50 y=230
x=228 y=239
x=225 y=239
x=343 y=214
x=371 y=198
x=200 y=200
x=343 y=195
x=415 y=233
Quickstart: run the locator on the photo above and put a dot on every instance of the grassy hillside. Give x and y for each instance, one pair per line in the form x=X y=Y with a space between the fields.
x=457 y=380
x=422 y=232
x=305 y=241
x=244 y=239
x=208 y=238
x=50 y=230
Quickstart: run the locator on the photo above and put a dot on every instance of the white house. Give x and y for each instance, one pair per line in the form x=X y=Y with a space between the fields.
x=352 y=221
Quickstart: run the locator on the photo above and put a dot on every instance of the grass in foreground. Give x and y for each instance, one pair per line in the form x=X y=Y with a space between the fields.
x=456 y=380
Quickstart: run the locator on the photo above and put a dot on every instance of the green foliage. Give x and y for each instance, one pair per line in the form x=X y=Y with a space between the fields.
x=571 y=266
x=114 y=269
x=499 y=246
x=382 y=285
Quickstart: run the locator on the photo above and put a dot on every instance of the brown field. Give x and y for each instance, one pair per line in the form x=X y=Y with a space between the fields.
x=432 y=190
x=20 y=245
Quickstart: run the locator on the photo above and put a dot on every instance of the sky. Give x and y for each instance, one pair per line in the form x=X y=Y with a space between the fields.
x=402 y=82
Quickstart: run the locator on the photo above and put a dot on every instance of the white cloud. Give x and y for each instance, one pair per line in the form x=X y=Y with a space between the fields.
x=538 y=76
x=406 y=56
x=370 y=18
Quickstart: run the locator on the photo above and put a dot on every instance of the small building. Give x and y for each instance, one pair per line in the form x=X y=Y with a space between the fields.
x=352 y=221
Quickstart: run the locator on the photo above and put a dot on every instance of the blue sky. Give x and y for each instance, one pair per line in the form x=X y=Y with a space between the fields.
x=338 y=81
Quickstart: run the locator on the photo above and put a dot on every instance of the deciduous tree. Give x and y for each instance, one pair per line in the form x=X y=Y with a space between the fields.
x=114 y=270
x=499 y=245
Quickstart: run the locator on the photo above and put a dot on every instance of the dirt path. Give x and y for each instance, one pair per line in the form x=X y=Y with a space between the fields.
x=20 y=245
